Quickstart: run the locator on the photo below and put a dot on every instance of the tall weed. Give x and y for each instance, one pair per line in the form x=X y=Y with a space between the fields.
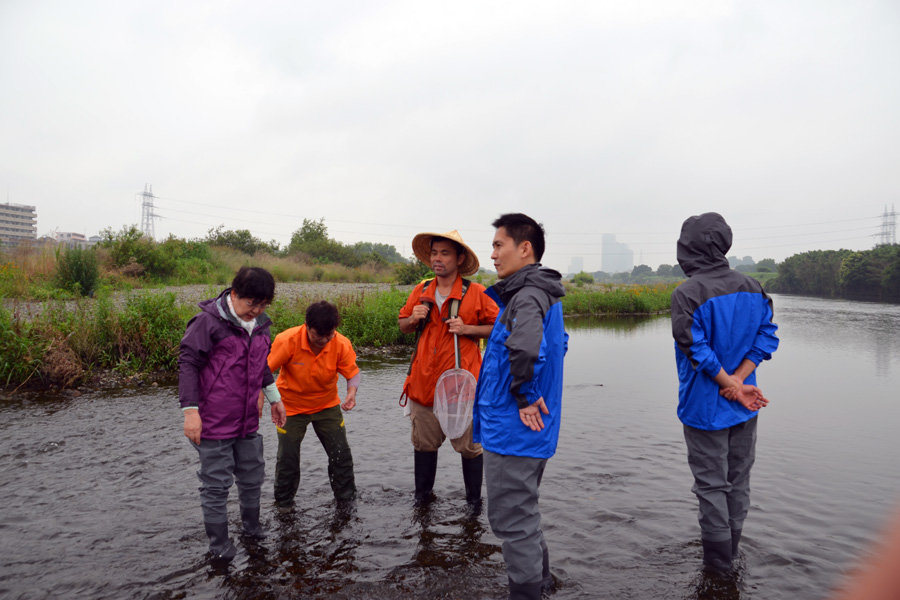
x=21 y=349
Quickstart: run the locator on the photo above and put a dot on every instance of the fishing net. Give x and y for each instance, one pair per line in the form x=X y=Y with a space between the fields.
x=454 y=397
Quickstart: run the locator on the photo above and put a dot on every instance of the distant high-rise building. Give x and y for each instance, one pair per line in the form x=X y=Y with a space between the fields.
x=577 y=265
x=617 y=257
x=18 y=223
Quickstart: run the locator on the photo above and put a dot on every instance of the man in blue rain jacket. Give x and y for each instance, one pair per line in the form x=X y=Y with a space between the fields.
x=723 y=329
x=518 y=402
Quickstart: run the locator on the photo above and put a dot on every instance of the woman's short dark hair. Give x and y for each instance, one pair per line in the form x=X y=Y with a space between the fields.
x=521 y=228
x=254 y=283
x=323 y=317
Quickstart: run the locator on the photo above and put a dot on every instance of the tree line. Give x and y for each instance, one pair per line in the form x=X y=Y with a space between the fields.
x=126 y=257
x=864 y=275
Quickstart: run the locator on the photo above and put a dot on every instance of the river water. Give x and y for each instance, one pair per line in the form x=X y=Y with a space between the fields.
x=99 y=495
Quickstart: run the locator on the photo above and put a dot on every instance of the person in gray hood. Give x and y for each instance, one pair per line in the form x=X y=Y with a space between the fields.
x=723 y=329
x=518 y=402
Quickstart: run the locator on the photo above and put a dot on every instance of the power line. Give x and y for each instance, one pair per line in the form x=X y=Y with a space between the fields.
x=282 y=215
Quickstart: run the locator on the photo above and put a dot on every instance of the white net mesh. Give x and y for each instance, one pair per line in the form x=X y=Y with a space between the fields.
x=454 y=396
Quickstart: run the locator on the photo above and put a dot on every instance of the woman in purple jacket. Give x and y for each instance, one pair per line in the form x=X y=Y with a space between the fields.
x=222 y=367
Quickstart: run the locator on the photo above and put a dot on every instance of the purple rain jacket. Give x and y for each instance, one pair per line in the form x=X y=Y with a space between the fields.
x=221 y=369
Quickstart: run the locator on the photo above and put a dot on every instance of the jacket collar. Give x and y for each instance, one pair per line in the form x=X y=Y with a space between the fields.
x=456 y=292
x=218 y=306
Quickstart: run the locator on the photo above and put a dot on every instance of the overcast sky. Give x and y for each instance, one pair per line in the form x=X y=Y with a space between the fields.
x=387 y=118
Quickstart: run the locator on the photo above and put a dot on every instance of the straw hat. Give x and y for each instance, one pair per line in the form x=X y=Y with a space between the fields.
x=421 y=246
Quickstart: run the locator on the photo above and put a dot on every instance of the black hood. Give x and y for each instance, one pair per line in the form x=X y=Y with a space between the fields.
x=703 y=243
x=533 y=274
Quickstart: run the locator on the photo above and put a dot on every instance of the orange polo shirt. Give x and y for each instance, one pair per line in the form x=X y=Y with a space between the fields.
x=435 y=354
x=308 y=381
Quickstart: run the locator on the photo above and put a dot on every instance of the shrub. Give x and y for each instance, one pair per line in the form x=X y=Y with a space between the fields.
x=582 y=278
x=77 y=271
x=412 y=272
x=149 y=331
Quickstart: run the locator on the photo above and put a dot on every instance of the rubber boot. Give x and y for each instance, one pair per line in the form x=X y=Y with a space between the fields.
x=473 y=474
x=524 y=591
x=220 y=545
x=425 y=471
x=546 y=577
x=250 y=522
x=717 y=555
x=735 y=542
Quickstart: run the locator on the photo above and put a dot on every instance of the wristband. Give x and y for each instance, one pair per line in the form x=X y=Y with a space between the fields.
x=273 y=396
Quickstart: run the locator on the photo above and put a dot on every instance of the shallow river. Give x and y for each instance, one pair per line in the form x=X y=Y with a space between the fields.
x=99 y=494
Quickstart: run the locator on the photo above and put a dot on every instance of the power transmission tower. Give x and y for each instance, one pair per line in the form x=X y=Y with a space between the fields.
x=888 y=234
x=147 y=214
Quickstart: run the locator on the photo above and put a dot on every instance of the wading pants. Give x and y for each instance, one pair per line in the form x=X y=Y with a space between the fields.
x=223 y=462
x=329 y=427
x=427 y=435
x=721 y=461
x=512 y=494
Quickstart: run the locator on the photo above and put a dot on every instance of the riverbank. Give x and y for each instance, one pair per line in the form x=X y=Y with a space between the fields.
x=133 y=337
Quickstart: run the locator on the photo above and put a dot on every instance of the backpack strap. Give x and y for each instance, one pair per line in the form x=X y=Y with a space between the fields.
x=419 y=328
x=454 y=303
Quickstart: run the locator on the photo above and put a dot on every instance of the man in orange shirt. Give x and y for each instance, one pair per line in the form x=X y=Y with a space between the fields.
x=427 y=310
x=310 y=357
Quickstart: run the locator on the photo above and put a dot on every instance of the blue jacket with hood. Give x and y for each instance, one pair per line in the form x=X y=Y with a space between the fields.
x=719 y=318
x=522 y=363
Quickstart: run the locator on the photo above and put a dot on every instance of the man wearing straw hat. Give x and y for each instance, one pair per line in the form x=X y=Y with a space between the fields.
x=427 y=312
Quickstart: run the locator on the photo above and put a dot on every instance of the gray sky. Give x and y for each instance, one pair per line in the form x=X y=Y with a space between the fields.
x=392 y=117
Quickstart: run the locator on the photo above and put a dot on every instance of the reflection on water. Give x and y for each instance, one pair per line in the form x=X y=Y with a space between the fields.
x=99 y=493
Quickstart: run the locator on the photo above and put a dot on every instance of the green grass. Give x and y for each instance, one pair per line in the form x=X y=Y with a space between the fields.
x=618 y=299
x=68 y=341
x=367 y=318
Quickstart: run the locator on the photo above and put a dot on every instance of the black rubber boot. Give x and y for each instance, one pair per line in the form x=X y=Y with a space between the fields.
x=473 y=474
x=250 y=522
x=220 y=545
x=717 y=555
x=735 y=542
x=524 y=591
x=425 y=471
x=546 y=577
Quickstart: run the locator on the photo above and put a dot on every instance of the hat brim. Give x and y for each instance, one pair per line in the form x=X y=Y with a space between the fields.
x=421 y=246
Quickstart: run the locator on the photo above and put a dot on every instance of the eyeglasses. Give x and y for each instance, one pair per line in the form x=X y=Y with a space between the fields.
x=255 y=305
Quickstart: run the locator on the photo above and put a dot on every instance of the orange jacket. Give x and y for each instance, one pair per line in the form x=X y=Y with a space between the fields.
x=435 y=350
x=308 y=381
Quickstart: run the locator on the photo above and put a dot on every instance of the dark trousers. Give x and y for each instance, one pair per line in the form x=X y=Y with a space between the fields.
x=515 y=517
x=329 y=427
x=224 y=462
x=721 y=461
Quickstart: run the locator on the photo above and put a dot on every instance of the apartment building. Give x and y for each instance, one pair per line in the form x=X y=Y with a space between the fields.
x=18 y=223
